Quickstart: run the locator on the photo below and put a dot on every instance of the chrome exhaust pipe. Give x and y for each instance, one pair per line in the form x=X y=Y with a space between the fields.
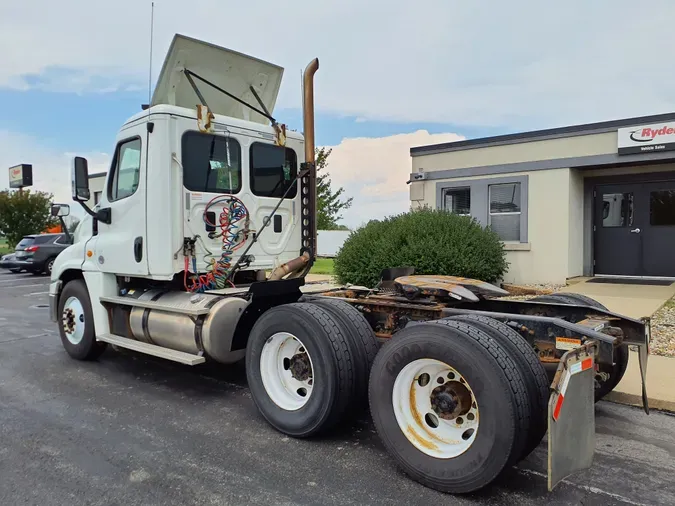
x=310 y=159
x=308 y=108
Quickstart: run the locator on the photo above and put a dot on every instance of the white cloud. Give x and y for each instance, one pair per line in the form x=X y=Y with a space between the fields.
x=513 y=64
x=51 y=167
x=374 y=172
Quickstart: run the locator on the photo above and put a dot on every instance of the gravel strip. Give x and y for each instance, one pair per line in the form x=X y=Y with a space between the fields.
x=663 y=330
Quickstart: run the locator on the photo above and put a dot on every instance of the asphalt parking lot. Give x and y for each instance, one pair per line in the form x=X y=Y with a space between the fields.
x=134 y=430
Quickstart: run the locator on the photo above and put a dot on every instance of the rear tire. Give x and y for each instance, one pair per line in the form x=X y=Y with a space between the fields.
x=363 y=344
x=436 y=459
x=616 y=371
x=78 y=335
x=533 y=372
x=299 y=369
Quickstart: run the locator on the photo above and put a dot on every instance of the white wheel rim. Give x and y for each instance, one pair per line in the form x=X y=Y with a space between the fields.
x=50 y=265
x=287 y=371
x=73 y=320
x=437 y=430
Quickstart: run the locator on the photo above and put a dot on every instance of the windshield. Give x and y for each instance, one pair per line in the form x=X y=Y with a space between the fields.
x=25 y=242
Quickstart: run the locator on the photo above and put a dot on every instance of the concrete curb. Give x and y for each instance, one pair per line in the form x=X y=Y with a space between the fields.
x=636 y=400
x=660 y=382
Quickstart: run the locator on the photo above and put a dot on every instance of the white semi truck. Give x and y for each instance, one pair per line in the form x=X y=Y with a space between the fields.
x=198 y=250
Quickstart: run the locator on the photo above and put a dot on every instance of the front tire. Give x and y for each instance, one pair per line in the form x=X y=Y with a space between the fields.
x=299 y=369
x=445 y=404
x=78 y=335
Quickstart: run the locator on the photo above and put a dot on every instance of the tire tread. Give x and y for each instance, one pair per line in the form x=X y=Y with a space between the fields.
x=533 y=372
x=515 y=378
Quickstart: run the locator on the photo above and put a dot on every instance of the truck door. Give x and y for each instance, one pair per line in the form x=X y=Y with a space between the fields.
x=120 y=247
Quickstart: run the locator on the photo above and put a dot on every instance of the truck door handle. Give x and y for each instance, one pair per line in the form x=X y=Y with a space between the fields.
x=138 y=249
x=635 y=231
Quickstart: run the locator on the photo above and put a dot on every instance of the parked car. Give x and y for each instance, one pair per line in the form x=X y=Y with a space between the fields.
x=9 y=262
x=36 y=253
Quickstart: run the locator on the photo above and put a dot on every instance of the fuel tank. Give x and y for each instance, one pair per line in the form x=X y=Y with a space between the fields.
x=210 y=334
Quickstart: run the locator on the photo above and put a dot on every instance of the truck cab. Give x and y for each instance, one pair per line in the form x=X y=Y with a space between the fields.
x=168 y=165
x=202 y=180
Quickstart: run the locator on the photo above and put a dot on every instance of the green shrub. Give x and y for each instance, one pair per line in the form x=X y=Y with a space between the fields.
x=432 y=241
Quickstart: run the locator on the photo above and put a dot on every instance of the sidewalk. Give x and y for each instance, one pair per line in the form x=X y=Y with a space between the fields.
x=634 y=301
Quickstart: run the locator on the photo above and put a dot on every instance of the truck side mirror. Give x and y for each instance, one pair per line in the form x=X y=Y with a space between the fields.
x=60 y=210
x=80 y=179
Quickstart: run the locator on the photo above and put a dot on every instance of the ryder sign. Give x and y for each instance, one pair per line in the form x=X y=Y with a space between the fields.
x=21 y=176
x=647 y=138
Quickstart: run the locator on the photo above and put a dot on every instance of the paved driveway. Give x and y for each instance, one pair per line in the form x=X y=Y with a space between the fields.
x=132 y=430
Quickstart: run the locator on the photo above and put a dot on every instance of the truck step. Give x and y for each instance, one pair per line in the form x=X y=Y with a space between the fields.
x=159 y=306
x=151 y=349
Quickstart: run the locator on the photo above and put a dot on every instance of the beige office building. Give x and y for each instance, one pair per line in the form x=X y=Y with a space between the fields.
x=585 y=200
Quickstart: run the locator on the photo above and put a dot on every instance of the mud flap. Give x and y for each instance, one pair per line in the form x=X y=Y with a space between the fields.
x=571 y=414
x=643 y=355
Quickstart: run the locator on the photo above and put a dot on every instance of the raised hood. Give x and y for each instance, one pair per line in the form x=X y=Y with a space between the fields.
x=234 y=72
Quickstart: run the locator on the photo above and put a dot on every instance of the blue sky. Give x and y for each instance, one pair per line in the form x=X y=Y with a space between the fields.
x=89 y=122
x=393 y=74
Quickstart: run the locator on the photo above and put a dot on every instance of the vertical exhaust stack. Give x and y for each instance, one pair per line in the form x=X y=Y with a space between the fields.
x=310 y=161
x=299 y=267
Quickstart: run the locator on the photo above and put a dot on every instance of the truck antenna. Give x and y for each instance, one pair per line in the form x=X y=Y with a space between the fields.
x=152 y=25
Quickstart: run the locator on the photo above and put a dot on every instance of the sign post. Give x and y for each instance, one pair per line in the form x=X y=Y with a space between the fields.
x=21 y=176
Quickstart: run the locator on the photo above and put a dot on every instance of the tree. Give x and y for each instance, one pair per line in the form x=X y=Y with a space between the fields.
x=24 y=212
x=329 y=203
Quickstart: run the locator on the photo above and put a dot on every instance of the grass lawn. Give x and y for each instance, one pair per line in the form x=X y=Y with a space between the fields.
x=4 y=249
x=322 y=266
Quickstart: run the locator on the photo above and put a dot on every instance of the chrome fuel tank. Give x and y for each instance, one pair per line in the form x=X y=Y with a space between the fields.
x=210 y=334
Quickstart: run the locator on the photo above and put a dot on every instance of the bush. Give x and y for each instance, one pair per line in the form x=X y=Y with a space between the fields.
x=432 y=241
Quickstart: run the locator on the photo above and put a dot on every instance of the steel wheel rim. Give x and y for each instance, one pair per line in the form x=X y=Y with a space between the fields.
x=423 y=397
x=73 y=321
x=286 y=370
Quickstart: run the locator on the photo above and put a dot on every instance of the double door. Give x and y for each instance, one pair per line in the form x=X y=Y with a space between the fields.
x=634 y=229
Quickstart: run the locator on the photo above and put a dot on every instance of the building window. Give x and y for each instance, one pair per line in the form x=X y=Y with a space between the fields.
x=97 y=197
x=504 y=213
x=662 y=208
x=458 y=201
x=126 y=170
x=617 y=210
x=211 y=163
x=273 y=170
x=498 y=202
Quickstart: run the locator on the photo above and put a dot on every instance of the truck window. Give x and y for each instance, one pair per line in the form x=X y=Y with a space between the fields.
x=126 y=170
x=273 y=170
x=211 y=163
